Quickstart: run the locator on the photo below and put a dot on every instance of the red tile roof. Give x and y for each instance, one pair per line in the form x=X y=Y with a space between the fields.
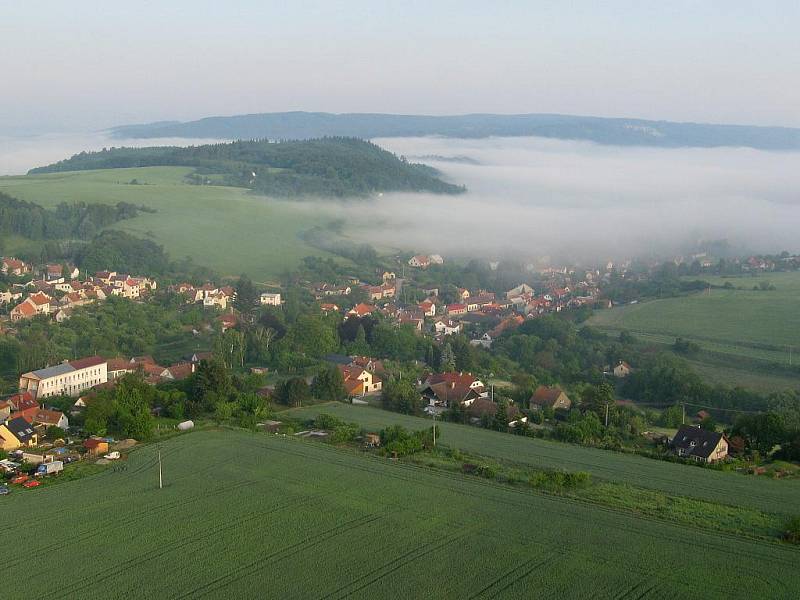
x=84 y=363
x=47 y=417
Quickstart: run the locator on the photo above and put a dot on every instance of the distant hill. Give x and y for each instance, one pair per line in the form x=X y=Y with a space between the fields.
x=622 y=132
x=338 y=167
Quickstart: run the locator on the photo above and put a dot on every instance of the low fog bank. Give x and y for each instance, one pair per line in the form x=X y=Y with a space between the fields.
x=530 y=198
x=534 y=197
x=19 y=154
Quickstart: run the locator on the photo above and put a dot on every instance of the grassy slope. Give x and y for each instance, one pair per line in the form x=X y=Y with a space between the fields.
x=725 y=316
x=725 y=488
x=748 y=326
x=224 y=228
x=251 y=515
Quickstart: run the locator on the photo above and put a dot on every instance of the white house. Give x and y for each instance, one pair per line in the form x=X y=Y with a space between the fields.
x=268 y=299
x=419 y=261
x=446 y=327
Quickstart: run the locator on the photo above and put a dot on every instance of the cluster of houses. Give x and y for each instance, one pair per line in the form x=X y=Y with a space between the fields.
x=443 y=391
x=210 y=295
x=152 y=372
x=423 y=261
x=23 y=421
x=492 y=312
x=361 y=375
x=58 y=291
x=25 y=416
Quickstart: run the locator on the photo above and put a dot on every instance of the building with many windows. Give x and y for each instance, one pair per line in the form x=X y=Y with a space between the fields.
x=69 y=378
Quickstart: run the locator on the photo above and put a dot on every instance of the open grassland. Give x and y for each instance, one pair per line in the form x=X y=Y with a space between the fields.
x=745 y=320
x=713 y=372
x=740 y=332
x=225 y=228
x=767 y=495
x=247 y=515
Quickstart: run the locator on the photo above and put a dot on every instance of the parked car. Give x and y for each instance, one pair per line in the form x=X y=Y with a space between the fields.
x=112 y=455
x=4 y=491
x=31 y=484
x=20 y=479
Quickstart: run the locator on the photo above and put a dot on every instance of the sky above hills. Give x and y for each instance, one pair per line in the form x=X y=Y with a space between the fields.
x=91 y=64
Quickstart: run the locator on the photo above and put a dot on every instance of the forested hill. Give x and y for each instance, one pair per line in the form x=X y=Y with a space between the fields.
x=338 y=167
x=622 y=132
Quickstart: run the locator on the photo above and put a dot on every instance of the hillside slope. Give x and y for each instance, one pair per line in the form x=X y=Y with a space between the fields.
x=245 y=515
x=337 y=167
x=621 y=132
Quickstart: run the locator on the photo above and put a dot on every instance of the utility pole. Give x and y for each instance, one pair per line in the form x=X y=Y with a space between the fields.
x=160 y=478
x=606 y=415
x=683 y=417
x=433 y=414
x=790 y=356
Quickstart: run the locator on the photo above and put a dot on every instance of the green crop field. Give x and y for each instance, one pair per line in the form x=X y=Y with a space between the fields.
x=246 y=515
x=738 y=330
x=747 y=322
x=224 y=228
x=682 y=480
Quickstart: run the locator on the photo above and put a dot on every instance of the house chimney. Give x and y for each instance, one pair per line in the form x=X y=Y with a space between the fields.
x=452 y=385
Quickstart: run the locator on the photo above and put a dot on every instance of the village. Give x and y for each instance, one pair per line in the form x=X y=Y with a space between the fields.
x=36 y=434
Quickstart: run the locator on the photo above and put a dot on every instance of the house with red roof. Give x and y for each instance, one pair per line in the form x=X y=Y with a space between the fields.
x=50 y=418
x=13 y=266
x=359 y=381
x=456 y=309
x=23 y=310
x=361 y=310
x=428 y=308
x=420 y=261
x=449 y=389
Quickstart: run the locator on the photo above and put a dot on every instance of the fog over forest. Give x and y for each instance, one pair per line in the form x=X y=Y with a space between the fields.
x=533 y=197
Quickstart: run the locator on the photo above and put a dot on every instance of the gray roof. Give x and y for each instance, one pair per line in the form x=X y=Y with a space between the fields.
x=695 y=441
x=53 y=371
x=20 y=428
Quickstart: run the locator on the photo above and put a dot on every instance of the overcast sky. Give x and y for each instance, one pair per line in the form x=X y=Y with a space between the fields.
x=88 y=64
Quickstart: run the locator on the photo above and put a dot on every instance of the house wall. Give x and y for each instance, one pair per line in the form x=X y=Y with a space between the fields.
x=71 y=384
x=8 y=440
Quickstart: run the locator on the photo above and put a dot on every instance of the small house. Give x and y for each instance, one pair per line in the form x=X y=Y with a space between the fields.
x=550 y=397
x=95 y=446
x=622 y=369
x=700 y=445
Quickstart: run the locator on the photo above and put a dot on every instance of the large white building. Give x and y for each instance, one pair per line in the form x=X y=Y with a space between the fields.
x=270 y=299
x=68 y=378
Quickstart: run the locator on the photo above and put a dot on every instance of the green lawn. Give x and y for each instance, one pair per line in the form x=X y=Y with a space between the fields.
x=738 y=330
x=245 y=515
x=730 y=318
x=224 y=228
x=763 y=494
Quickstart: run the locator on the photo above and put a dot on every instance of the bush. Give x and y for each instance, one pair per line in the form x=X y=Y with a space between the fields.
x=327 y=421
x=791 y=532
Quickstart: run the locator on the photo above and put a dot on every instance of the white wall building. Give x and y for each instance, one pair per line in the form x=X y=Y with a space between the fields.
x=268 y=299
x=68 y=378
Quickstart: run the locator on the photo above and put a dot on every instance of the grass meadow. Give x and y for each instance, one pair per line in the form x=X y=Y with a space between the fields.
x=224 y=228
x=767 y=495
x=738 y=330
x=246 y=515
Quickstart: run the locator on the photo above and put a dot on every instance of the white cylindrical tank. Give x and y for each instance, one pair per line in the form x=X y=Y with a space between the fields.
x=185 y=425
